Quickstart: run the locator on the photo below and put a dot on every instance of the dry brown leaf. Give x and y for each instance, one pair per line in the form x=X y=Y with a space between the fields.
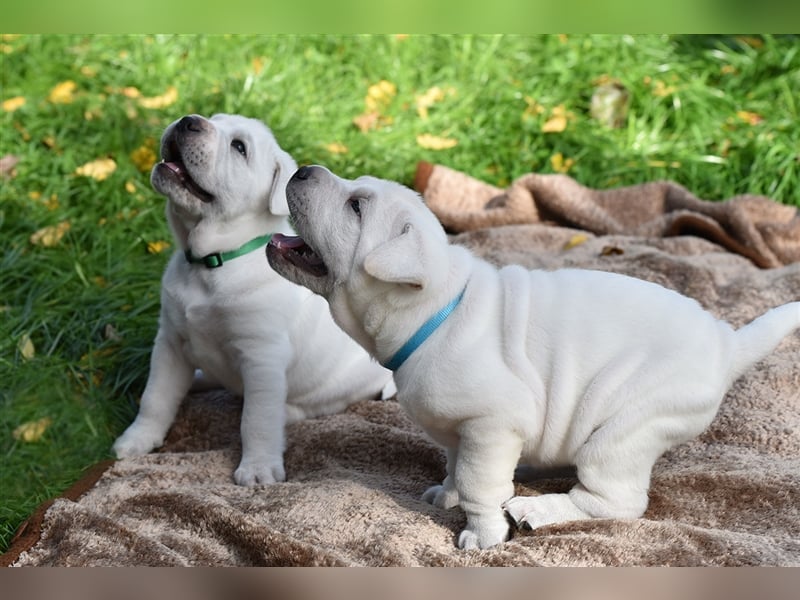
x=7 y=164
x=367 y=121
x=611 y=251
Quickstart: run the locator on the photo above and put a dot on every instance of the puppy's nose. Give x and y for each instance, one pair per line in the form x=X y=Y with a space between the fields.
x=303 y=173
x=190 y=123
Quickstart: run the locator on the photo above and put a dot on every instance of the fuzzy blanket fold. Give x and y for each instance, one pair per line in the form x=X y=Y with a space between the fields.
x=730 y=497
x=766 y=232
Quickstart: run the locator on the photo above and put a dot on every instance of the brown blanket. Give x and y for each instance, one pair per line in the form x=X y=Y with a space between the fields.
x=766 y=232
x=730 y=497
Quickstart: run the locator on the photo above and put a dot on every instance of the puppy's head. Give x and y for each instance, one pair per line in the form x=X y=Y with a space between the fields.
x=222 y=168
x=366 y=238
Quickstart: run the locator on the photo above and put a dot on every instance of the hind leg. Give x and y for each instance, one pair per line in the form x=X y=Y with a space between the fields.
x=613 y=480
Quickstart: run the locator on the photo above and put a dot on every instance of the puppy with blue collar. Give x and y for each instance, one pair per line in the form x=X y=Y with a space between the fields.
x=510 y=366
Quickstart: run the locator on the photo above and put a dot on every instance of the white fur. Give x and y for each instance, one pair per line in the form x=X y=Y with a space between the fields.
x=247 y=328
x=601 y=371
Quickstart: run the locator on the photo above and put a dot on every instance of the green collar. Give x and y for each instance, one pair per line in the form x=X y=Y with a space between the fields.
x=216 y=259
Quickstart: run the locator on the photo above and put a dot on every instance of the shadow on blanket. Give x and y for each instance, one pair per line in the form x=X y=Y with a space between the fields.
x=730 y=497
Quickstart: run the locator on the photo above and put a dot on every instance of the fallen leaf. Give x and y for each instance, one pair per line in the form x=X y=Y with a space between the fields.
x=380 y=95
x=661 y=89
x=428 y=99
x=559 y=164
x=7 y=164
x=166 y=99
x=88 y=71
x=576 y=240
x=258 y=64
x=557 y=121
x=609 y=104
x=611 y=251
x=367 y=121
x=748 y=117
x=63 y=93
x=98 y=169
x=32 y=431
x=432 y=142
x=50 y=236
x=532 y=109
x=157 y=247
x=26 y=347
x=336 y=148
x=144 y=158
x=13 y=104
x=110 y=333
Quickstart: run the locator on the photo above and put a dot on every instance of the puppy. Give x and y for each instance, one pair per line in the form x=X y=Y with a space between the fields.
x=570 y=367
x=245 y=327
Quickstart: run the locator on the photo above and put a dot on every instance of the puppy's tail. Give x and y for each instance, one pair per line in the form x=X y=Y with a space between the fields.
x=758 y=338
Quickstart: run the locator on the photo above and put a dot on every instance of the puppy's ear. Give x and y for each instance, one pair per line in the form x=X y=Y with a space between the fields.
x=400 y=260
x=284 y=168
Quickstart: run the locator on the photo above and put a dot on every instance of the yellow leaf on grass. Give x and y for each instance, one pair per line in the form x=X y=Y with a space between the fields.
x=50 y=236
x=367 y=121
x=432 y=142
x=166 y=99
x=576 y=240
x=557 y=121
x=32 y=431
x=144 y=158
x=63 y=93
x=750 y=118
x=157 y=247
x=428 y=99
x=130 y=187
x=98 y=169
x=336 y=148
x=26 y=347
x=13 y=104
x=380 y=95
x=560 y=164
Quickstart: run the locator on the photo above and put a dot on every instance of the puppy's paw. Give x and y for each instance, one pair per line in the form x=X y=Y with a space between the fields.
x=485 y=535
x=530 y=512
x=441 y=497
x=136 y=441
x=252 y=473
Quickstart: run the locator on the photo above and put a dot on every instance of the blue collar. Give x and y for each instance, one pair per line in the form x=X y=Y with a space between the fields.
x=422 y=334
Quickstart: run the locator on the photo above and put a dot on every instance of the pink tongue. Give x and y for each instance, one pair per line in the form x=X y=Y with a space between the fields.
x=292 y=242
x=174 y=167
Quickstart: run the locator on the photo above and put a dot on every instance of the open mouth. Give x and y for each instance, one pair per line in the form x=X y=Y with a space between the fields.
x=295 y=251
x=171 y=160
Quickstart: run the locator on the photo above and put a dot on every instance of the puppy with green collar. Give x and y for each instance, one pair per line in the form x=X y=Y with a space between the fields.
x=246 y=328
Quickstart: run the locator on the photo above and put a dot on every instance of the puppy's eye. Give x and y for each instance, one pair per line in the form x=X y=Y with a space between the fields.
x=355 y=204
x=239 y=146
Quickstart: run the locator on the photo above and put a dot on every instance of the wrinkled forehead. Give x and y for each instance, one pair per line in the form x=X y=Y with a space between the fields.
x=238 y=126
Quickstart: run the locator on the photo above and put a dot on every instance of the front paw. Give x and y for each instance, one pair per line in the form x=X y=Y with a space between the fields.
x=485 y=534
x=137 y=441
x=441 y=497
x=251 y=473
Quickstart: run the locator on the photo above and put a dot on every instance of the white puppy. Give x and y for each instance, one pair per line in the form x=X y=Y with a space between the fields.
x=592 y=369
x=221 y=311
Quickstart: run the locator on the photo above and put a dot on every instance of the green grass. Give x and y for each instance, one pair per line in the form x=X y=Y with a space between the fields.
x=89 y=304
